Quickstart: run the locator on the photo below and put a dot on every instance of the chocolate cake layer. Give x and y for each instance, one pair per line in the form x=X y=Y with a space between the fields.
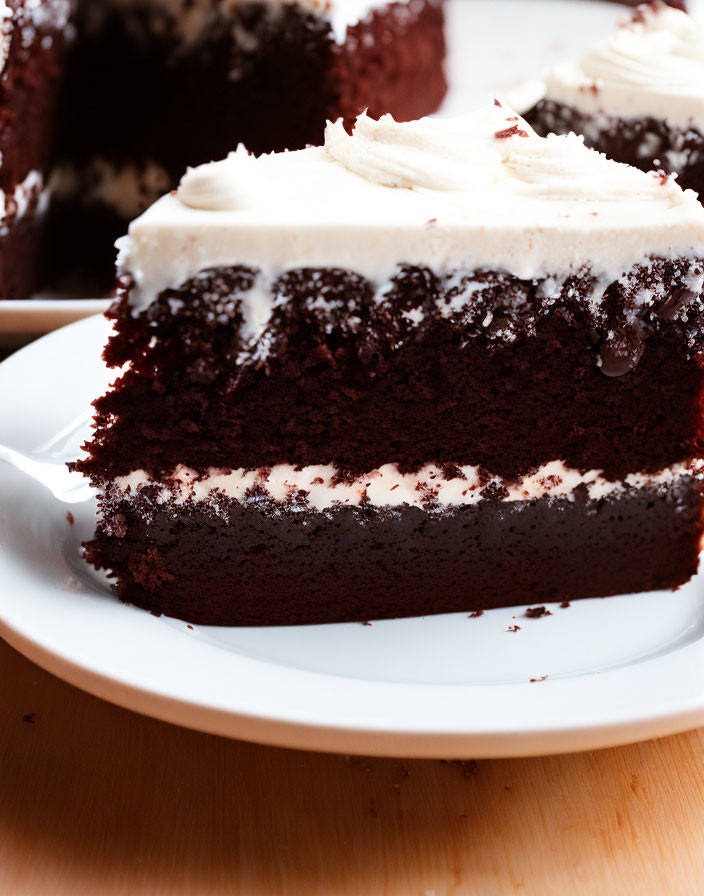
x=503 y=373
x=647 y=143
x=225 y=562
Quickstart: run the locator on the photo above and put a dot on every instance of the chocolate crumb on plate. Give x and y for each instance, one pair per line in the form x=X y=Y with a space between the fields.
x=537 y=612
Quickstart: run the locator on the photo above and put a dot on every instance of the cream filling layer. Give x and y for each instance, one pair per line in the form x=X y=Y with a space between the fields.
x=320 y=489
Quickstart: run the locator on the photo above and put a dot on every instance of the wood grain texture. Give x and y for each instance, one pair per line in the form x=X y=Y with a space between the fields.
x=96 y=800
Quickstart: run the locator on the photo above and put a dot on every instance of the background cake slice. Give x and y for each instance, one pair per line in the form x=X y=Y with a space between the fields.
x=443 y=365
x=103 y=103
x=637 y=95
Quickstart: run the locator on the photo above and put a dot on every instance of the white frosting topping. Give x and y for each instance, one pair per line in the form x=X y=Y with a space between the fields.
x=387 y=487
x=450 y=155
x=219 y=186
x=458 y=195
x=651 y=66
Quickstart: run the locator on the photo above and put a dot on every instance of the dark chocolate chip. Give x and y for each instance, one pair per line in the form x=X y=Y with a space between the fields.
x=675 y=302
x=622 y=353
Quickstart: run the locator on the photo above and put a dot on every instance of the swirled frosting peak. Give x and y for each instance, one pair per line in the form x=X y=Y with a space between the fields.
x=435 y=154
x=651 y=66
x=221 y=186
x=492 y=147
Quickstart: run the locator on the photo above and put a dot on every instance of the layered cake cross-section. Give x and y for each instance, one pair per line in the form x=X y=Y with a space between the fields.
x=436 y=366
x=103 y=103
x=637 y=95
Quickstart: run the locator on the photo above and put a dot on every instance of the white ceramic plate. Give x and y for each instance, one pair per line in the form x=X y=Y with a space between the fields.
x=533 y=34
x=618 y=670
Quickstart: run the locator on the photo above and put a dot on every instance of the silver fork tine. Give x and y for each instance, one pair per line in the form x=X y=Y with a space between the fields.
x=71 y=488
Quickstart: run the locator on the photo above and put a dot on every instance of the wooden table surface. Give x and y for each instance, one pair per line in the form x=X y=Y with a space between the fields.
x=95 y=800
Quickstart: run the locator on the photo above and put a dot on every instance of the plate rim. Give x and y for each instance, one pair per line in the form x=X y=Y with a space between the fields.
x=299 y=735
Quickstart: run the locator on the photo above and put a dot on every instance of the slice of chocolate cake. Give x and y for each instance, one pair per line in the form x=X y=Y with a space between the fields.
x=103 y=103
x=435 y=366
x=637 y=96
